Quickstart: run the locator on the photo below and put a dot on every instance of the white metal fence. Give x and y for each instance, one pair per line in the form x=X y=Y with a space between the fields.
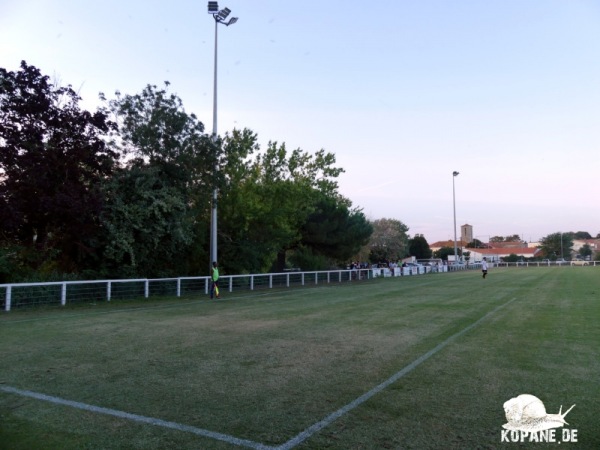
x=20 y=295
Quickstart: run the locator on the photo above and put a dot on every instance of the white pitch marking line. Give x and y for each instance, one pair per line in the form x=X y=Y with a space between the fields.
x=299 y=438
x=137 y=418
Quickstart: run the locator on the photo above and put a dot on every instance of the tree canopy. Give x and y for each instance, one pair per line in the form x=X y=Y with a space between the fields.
x=419 y=248
x=511 y=238
x=557 y=245
x=126 y=191
x=156 y=209
x=389 y=241
x=278 y=202
x=52 y=161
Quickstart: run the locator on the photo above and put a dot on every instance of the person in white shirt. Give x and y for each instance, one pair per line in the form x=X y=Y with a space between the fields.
x=484 y=267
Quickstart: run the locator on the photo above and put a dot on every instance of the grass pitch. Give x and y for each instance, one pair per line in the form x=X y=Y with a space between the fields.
x=438 y=356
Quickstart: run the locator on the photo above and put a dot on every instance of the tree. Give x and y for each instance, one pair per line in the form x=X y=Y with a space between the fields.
x=557 y=245
x=157 y=209
x=267 y=198
x=511 y=238
x=476 y=243
x=586 y=250
x=52 y=160
x=511 y=258
x=334 y=231
x=389 y=241
x=444 y=252
x=418 y=247
x=147 y=227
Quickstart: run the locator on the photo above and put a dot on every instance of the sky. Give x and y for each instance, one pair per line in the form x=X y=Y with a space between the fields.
x=403 y=92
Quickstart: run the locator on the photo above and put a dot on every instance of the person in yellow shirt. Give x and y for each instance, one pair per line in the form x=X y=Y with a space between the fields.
x=214 y=275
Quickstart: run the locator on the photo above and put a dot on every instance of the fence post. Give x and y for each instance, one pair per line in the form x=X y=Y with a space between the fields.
x=316 y=277
x=287 y=280
x=146 y=288
x=302 y=278
x=251 y=282
x=8 y=298
x=63 y=294
x=270 y=281
x=178 y=287
x=108 y=286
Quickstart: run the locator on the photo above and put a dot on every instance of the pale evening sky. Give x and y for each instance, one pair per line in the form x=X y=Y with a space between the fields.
x=403 y=92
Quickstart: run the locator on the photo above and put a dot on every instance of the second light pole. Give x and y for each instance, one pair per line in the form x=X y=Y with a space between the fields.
x=454 y=175
x=219 y=16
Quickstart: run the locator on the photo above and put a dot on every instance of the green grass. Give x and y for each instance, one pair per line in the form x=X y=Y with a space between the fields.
x=264 y=366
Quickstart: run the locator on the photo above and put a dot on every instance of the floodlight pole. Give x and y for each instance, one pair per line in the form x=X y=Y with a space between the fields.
x=454 y=174
x=562 y=255
x=219 y=16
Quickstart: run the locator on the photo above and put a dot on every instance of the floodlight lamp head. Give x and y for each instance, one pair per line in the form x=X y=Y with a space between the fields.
x=455 y=173
x=213 y=7
x=223 y=14
x=232 y=21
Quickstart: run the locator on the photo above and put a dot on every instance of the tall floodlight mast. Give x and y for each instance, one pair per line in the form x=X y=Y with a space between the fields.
x=220 y=16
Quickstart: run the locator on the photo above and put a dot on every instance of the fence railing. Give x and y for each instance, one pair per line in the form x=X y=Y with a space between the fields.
x=19 y=295
x=549 y=264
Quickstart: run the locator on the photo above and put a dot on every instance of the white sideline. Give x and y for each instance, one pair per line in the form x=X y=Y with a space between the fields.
x=137 y=418
x=296 y=440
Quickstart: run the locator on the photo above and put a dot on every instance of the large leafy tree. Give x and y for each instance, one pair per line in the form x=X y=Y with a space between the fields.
x=389 y=241
x=157 y=203
x=267 y=198
x=146 y=224
x=586 y=250
x=418 y=247
x=261 y=206
x=557 y=245
x=332 y=234
x=52 y=159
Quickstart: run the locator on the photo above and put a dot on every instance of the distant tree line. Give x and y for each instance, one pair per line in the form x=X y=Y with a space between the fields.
x=126 y=191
